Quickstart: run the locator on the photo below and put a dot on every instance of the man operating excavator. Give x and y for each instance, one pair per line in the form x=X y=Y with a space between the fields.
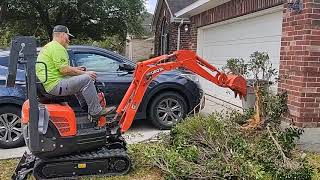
x=58 y=148
x=65 y=80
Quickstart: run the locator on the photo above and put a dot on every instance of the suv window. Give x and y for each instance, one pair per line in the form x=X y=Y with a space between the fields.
x=96 y=62
x=4 y=61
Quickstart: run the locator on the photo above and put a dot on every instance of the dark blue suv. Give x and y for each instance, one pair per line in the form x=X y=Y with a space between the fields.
x=169 y=98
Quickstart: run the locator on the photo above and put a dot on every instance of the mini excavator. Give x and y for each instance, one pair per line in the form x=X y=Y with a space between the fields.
x=59 y=148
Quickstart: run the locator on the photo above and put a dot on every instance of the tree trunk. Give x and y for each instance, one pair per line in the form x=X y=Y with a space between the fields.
x=3 y=10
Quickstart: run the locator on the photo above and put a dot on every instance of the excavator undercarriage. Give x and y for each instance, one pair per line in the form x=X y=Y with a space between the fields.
x=108 y=157
x=100 y=162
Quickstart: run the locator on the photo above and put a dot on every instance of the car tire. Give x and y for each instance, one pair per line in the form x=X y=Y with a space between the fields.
x=10 y=114
x=165 y=108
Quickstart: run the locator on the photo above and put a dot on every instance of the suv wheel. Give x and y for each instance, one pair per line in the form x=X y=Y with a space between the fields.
x=10 y=127
x=167 y=110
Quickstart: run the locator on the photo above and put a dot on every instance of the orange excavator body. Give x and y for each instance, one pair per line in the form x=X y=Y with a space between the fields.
x=63 y=116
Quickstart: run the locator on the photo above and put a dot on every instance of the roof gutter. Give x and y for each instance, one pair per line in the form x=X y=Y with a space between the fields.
x=178 y=20
x=198 y=7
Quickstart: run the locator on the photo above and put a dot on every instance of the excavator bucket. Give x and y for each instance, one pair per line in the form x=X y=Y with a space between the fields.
x=238 y=84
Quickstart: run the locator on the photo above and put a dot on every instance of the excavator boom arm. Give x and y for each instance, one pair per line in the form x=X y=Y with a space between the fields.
x=148 y=70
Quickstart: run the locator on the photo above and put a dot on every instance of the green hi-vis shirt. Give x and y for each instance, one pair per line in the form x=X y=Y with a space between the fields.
x=55 y=56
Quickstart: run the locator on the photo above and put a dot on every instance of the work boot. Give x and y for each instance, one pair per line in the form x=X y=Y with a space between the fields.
x=103 y=112
x=107 y=111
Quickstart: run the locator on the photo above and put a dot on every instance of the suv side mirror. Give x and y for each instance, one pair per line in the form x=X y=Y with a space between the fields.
x=127 y=67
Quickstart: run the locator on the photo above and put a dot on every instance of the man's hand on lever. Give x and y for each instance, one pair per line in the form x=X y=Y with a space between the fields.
x=92 y=74
x=82 y=68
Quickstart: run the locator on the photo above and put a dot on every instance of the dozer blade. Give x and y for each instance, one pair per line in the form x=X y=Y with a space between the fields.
x=238 y=84
x=24 y=167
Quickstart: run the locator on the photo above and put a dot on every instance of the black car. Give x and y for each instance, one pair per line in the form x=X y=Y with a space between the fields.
x=170 y=97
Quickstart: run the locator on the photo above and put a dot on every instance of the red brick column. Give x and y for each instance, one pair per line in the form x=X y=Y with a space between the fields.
x=193 y=34
x=185 y=37
x=300 y=63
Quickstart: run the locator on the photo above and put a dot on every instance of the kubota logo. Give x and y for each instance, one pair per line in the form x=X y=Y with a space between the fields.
x=155 y=71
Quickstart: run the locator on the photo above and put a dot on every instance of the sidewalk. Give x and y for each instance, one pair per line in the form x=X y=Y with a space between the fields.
x=310 y=140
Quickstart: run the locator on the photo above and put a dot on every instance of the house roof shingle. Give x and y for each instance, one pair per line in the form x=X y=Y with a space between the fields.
x=177 y=5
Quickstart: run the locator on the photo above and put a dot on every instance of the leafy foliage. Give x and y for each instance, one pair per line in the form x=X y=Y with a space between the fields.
x=258 y=67
x=273 y=106
x=261 y=66
x=111 y=43
x=86 y=19
x=215 y=147
x=236 y=66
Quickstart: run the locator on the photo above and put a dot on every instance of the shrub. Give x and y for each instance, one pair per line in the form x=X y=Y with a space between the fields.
x=215 y=147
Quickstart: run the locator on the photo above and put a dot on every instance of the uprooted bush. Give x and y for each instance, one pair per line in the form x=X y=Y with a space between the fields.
x=215 y=147
x=218 y=147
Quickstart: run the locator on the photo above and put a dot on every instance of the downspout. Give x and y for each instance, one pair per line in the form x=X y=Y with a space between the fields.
x=179 y=35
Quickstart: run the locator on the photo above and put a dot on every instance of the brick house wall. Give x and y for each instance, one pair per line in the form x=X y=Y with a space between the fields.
x=184 y=37
x=229 y=10
x=164 y=13
x=300 y=63
x=193 y=36
x=173 y=33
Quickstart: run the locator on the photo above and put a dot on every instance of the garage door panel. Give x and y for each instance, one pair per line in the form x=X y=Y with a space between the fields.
x=239 y=40
x=218 y=55
x=219 y=92
x=261 y=26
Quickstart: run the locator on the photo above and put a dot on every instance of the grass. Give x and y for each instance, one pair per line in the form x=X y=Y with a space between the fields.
x=314 y=161
x=140 y=172
x=7 y=167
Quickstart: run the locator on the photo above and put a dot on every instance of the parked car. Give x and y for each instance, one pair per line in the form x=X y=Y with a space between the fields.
x=169 y=97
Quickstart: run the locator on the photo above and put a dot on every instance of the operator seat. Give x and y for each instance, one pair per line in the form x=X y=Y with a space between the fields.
x=47 y=98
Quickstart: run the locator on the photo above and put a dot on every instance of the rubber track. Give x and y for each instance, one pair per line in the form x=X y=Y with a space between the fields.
x=103 y=153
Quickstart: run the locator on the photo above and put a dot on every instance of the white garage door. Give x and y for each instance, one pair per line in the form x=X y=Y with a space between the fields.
x=239 y=38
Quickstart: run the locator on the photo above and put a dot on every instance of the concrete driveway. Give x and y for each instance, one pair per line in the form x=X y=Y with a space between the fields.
x=141 y=130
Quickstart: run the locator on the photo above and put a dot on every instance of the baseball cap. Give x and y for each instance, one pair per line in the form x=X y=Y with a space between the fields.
x=61 y=28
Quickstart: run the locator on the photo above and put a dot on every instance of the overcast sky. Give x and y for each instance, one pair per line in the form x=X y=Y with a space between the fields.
x=151 y=4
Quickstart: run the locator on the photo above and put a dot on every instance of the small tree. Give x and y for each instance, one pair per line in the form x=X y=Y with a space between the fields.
x=236 y=66
x=259 y=73
x=261 y=68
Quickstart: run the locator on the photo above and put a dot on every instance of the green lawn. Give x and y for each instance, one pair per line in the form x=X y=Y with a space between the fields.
x=7 y=167
x=314 y=160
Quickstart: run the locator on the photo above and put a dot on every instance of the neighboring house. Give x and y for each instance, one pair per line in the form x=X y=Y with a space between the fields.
x=141 y=48
x=222 y=29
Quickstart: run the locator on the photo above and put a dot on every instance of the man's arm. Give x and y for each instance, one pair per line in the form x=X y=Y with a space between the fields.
x=71 y=71
x=75 y=71
x=60 y=59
